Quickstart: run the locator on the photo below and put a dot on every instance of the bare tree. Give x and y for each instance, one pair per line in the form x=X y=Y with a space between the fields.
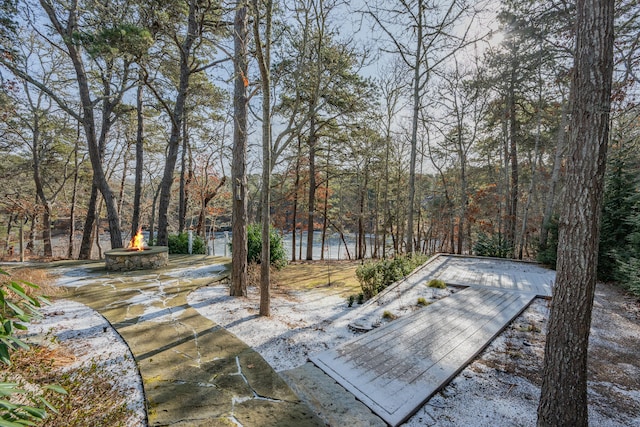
x=239 y=164
x=563 y=399
x=177 y=117
x=263 y=54
x=429 y=43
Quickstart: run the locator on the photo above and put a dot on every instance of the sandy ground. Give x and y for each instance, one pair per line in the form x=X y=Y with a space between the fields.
x=501 y=388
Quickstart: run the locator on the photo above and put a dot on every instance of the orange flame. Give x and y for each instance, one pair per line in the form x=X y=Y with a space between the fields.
x=137 y=242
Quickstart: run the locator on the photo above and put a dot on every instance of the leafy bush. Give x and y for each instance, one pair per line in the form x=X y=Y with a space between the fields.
x=16 y=309
x=351 y=300
x=494 y=246
x=179 y=244
x=371 y=279
x=278 y=255
x=376 y=276
x=93 y=397
x=437 y=283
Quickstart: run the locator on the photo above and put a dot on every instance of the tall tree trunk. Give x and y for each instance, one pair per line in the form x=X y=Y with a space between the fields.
x=312 y=187
x=534 y=166
x=176 y=126
x=387 y=217
x=294 y=215
x=74 y=196
x=263 y=54
x=362 y=245
x=31 y=242
x=152 y=221
x=86 y=245
x=555 y=177
x=513 y=159
x=325 y=208
x=9 y=249
x=239 y=164
x=182 y=202
x=42 y=198
x=417 y=84
x=137 y=197
x=88 y=118
x=463 y=195
x=325 y=219
x=123 y=180
x=296 y=189
x=563 y=399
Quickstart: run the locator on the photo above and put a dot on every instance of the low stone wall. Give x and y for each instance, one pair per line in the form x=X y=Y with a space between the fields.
x=123 y=260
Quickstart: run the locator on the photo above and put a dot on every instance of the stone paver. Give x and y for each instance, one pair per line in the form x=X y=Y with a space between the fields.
x=194 y=372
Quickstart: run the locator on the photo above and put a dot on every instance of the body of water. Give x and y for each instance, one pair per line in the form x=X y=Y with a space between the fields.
x=333 y=249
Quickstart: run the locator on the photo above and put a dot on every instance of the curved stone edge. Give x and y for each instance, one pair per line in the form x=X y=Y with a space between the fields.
x=122 y=260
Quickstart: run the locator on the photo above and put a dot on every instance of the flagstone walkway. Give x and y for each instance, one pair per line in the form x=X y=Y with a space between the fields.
x=194 y=372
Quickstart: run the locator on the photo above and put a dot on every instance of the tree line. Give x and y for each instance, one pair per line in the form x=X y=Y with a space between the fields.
x=450 y=137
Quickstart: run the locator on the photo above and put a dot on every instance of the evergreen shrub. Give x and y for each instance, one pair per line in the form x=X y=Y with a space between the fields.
x=493 y=246
x=179 y=244
x=278 y=256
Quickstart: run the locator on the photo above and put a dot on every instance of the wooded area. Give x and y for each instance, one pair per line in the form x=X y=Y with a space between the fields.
x=409 y=126
x=453 y=139
x=433 y=126
x=446 y=138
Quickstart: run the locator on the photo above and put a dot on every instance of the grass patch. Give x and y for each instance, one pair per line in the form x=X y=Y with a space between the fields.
x=531 y=327
x=423 y=302
x=92 y=399
x=437 y=283
x=337 y=276
x=389 y=315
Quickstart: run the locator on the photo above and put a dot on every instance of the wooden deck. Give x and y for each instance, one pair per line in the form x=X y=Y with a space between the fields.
x=496 y=273
x=396 y=368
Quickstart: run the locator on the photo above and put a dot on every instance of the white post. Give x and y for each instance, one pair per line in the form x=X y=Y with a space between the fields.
x=210 y=246
x=190 y=242
x=226 y=243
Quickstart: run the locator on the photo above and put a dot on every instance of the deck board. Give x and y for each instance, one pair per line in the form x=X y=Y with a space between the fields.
x=395 y=369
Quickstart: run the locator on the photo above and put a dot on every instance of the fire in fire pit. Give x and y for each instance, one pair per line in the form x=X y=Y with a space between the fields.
x=137 y=256
x=137 y=242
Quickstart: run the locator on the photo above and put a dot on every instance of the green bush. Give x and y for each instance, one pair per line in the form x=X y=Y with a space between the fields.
x=494 y=246
x=371 y=279
x=179 y=244
x=277 y=254
x=376 y=276
x=351 y=300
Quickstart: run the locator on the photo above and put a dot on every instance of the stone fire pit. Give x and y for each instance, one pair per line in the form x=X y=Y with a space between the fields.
x=126 y=259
